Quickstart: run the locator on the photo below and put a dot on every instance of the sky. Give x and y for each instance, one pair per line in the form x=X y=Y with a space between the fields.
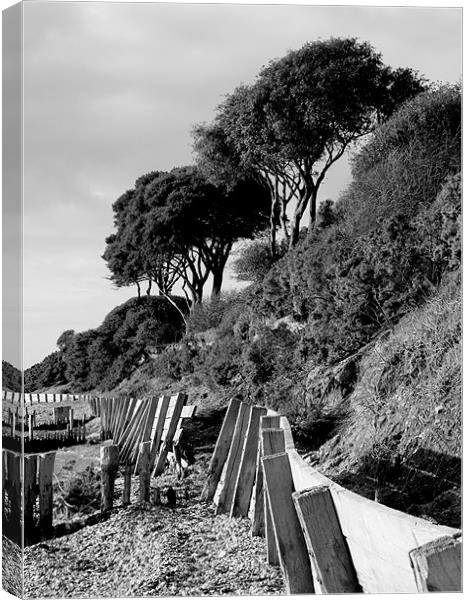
x=112 y=91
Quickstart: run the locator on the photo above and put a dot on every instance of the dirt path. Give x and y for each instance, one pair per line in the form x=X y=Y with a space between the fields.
x=155 y=551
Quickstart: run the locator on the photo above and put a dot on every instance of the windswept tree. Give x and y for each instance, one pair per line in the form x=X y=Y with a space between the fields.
x=298 y=118
x=177 y=227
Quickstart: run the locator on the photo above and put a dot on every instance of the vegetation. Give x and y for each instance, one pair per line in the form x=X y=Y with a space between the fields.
x=178 y=228
x=350 y=327
x=100 y=358
x=298 y=119
x=11 y=377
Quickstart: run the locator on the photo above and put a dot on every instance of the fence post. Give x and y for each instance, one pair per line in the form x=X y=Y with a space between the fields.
x=221 y=450
x=109 y=466
x=232 y=465
x=292 y=550
x=31 y=426
x=46 y=469
x=259 y=499
x=273 y=442
x=331 y=561
x=127 y=484
x=246 y=475
x=144 y=470
x=437 y=565
x=30 y=493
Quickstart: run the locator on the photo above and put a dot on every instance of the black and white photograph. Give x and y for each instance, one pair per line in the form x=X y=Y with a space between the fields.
x=231 y=309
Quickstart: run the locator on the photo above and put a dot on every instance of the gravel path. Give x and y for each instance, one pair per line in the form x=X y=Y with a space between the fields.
x=11 y=567
x=155 y=551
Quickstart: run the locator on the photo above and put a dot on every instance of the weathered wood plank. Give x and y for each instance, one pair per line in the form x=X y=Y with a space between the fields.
x=332 y=566
x=156 y=434
x=272 y=442
x=109 y=467
x=292 y=550
x=437 y=565
x=181 y=399
x=144 y=470
x=246 y=475
x=229 y=476
x=221 y=450
x=46 y=469
x=30 y=493
x=379 y=538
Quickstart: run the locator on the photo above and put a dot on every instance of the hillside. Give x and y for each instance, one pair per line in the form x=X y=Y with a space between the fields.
x=354 y=333
x=11 y=377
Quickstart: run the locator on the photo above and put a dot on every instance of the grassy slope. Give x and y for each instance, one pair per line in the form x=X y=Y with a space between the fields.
x=400 y=438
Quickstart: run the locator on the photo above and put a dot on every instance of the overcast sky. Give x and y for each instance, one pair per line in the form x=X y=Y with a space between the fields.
x=112 y=91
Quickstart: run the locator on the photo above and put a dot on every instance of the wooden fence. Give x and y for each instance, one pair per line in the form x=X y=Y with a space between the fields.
x=35 y=471
x=130 y=422
x=327 y=539
x=18 y=397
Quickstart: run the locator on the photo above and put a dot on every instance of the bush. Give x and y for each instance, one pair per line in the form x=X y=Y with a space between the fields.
x=81 y=493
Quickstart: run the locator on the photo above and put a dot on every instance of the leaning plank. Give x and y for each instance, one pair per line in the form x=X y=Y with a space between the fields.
x=331 y=562
x=181 y=399
x=379 y=538
x=221 y=450
x=258 y=496
x=46 y=469
x=437 y=565
x=270 y=422
x=246 y=475
x=156 y=434
x=292 y=549
x=146 y=431
x=231 y=468
x=30 y=493
x=272 y=442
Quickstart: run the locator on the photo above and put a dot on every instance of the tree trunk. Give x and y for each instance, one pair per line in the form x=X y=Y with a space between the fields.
x=273 y=222
x=217 y=282
x=313 y=208
x=295 y=229
x=139 y=290
x=148 y=289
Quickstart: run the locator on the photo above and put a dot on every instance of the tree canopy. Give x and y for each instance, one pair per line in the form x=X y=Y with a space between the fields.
x=177 y=227
x=298 y=118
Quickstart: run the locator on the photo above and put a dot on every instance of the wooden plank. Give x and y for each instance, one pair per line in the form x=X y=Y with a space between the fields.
x=125 y=427
x=272 y=443
x=229 y=476
x=148 y=427
x=292 y=549
x=332 y=566
x=14 y=489
x=127 y=484
x=270 y=422
x=125 y=440
x=144 y=470
x=188 y=412
x=257 y=508
x=30 y=493
x=181 y=399
x=109 y=466
x=258 y=500
x=221 y=450
x=379 y=538
x=156 y=434
x=46 y=469
x=246 y=475
x=129 y=444
x=437 y=565
x=139 y=434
